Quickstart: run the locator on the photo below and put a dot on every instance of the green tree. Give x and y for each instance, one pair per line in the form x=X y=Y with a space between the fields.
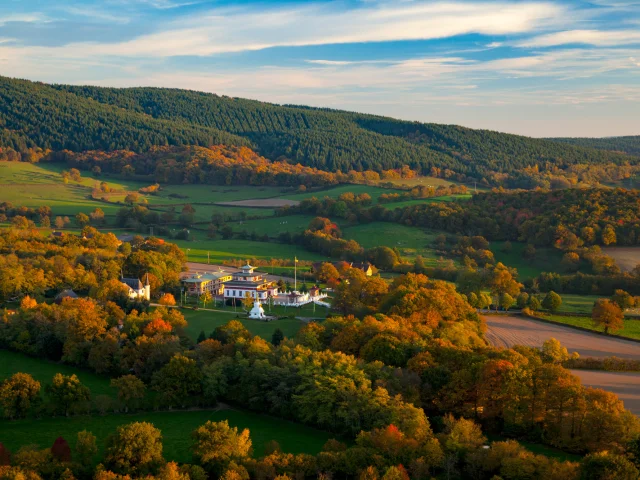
x=609 y=466
x=134 y=449
x=82 y=219
x=552 y=301
x=17 y=394
x=65 y=392
x=179 y=381
x=534 y=303
x=201 y=337
x=131 y=390
x=216 y=444
x=277 y=337
x=506 y=301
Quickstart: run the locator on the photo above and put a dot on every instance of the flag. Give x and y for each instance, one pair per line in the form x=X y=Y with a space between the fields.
x=296 y=259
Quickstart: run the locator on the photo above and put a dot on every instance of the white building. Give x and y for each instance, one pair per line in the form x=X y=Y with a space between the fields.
x=137 y=291
x=248 y=283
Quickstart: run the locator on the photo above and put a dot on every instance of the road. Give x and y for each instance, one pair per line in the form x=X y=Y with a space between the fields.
x=507 y=331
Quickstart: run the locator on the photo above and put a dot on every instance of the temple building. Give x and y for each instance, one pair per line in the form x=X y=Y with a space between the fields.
x=212 y=282
x=247 y=282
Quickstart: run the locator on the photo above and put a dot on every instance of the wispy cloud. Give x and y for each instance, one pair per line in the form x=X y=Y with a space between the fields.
x=225 y=31
x=588 y=37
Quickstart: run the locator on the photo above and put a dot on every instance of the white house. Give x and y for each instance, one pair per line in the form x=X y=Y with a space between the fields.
x=137 y=291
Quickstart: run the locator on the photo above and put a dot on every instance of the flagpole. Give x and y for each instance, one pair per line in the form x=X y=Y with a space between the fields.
x=295 y=274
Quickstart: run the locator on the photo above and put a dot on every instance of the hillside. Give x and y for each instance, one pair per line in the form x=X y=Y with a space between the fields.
x=94 y=118
x=629 y=145
x=38 y=115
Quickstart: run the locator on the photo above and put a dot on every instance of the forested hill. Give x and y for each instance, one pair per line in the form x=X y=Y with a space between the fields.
x=630 y=144
x=86 y=118
x=38 y=115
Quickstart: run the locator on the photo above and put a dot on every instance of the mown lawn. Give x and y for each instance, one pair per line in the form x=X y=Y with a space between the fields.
x=176 y=429
x=43 y=371
x=631 y=327
x=208 y=321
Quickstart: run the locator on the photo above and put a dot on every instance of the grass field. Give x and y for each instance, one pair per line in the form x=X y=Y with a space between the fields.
x=420 y=201
x=631 y=327
x=274 y=226
x=176 y=428
x=410 y=241
x=577 y=303
x=43 y=371
x=244 y=249
x=335 y=192
x=546 y=259
x=207 y=321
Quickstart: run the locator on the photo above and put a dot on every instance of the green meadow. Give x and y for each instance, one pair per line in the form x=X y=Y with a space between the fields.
x=43 y=371
x=631 y=327
x=176 y=427
x=546 y=259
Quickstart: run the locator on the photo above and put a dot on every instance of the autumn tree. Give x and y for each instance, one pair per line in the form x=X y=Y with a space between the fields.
x=215 y=444
x=608 y=315
x=65 y=392
x=17 y=394
x=134 y=449
x=131 y=390
x=86 y=448
x=502 y=279
x=82 y=219
x=167 y=300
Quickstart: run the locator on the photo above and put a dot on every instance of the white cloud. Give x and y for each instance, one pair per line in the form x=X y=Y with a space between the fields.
x=588 y=37
x=22 y=17
x=233 y=30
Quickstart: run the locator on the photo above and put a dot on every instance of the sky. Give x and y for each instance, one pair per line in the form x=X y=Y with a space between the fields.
x=537 y=68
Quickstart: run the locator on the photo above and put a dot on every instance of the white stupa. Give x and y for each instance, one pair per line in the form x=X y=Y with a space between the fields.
x=257 y=311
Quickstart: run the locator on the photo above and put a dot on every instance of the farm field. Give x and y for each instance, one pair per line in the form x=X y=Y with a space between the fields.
x=546 y=259
x=507 y=331
x=43 y=371
x=631 y=327
x=572 y=303
x=627 y=258
x=274 y=226
x=176 y=427
x=422 y=181
x=335 y=192
x=208 y=321
x=624 y=384
x=410 y=241
x=220 y=250
x=510 y=330
x=420 y=201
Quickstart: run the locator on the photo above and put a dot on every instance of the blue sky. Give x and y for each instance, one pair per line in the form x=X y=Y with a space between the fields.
x=538 y=68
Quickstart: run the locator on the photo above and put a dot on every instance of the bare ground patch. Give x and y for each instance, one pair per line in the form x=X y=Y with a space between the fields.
x=261 y=203
x=626 y=257
x=507 y=331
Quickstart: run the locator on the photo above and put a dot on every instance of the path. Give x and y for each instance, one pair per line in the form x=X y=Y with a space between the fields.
x=507 y=331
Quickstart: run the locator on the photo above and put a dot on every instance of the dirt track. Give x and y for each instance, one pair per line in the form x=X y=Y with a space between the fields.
x=507 y=331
